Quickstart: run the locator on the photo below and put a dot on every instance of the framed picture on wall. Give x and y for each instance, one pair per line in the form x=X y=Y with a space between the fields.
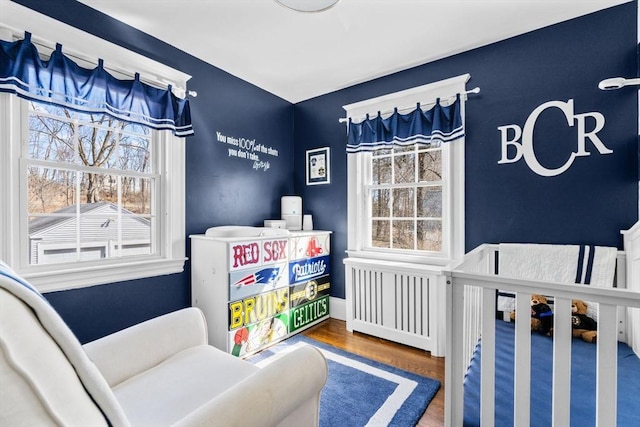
x=318 y=166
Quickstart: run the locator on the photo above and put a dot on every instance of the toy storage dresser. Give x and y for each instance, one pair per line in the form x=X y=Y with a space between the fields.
x=256 y=291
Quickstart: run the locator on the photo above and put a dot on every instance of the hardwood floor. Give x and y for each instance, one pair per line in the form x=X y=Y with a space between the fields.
x=334 y=332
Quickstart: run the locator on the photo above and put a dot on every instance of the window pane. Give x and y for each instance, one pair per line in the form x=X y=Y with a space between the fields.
x=430 y=202
x=134 y=153
x=97 y=187
x=99 y=230
x=381 y=170
x=403 y=202
x=430 y=166
x=430 y=235
x=380 y=234
x=136 y=195
x=404 y=168
x=96 y=146
x=50 y=139
x=380 y=203
x=53 y=238
x=42 y=222
x=136 y=236
x=50 y=189
x=403 y=234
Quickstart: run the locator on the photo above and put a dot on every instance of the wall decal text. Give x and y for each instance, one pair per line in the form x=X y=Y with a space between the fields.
x=249 y=149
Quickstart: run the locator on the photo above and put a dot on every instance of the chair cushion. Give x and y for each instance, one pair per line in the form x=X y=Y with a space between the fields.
x=181 y=384
x=52 y=324
x=39 y=385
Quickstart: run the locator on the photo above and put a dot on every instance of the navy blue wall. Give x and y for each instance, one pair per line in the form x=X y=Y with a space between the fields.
x=589 y=203
x=220 y=190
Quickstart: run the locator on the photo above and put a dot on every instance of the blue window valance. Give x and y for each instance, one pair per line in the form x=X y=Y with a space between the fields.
x=434 y=126
x=61 y=81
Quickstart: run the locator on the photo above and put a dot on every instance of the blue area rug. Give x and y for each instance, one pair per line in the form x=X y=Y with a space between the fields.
x=363 y=392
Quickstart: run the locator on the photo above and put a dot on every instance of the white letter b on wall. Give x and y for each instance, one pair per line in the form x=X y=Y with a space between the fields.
x=504 y=137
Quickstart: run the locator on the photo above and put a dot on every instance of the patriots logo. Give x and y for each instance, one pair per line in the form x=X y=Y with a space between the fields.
x=266 y=276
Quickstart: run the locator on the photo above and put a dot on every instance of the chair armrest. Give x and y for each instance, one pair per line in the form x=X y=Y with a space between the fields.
x=133 y=350
x=285 y=392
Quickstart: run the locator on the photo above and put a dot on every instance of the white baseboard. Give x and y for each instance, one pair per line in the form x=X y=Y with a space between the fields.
x=338 y=308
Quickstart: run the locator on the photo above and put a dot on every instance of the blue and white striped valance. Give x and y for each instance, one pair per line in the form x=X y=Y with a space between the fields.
x=61 y=81
x=434 y=126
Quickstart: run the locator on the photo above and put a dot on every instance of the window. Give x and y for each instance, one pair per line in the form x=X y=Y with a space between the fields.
x=407 y=203
x=88 y=199
x=91 y=186
x=404 y=196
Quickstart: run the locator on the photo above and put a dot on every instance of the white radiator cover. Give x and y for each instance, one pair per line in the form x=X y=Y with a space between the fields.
x=400 y=302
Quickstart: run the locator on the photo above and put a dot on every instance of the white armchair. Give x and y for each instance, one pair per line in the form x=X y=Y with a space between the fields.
x=157 y=373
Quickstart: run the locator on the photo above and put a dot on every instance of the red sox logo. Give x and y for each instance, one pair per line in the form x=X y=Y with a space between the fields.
x=313 y=248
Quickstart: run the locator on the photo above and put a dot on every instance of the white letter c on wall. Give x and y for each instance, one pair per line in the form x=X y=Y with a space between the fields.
x=527 y=138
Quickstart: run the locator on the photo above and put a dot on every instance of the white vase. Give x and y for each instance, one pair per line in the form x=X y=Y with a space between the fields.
x=307 y=222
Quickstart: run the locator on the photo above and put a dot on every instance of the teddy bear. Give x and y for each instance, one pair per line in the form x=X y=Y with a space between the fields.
x=541 y=315
x=582 y=325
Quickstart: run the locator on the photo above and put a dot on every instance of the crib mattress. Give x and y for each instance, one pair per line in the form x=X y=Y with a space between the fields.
x=583 y=382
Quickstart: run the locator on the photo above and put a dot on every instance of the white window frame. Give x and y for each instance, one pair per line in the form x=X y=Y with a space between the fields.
x=13 y=125
x=358 y=166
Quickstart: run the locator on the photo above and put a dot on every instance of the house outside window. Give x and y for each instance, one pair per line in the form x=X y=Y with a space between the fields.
x=87 y=199
x=406 y=204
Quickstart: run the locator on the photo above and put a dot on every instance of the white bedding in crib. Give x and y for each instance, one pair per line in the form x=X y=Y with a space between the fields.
x=592 y=265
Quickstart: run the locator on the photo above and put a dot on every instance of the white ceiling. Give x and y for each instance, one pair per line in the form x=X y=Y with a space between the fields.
x=298 y=56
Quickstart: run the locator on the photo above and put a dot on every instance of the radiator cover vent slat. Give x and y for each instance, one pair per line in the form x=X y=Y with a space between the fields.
x=411 y=304
x=391 y=304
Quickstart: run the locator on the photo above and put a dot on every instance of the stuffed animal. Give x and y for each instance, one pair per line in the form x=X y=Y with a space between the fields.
x=541 y=315
x=582 y=325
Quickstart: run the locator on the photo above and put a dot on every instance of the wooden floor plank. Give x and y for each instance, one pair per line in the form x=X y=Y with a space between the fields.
x=334 y=332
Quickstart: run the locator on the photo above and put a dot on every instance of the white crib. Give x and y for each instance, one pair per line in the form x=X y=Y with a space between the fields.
x=471 y=302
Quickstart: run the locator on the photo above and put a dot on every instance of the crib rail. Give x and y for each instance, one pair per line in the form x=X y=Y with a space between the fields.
x=471 y=302
x=632 y=249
